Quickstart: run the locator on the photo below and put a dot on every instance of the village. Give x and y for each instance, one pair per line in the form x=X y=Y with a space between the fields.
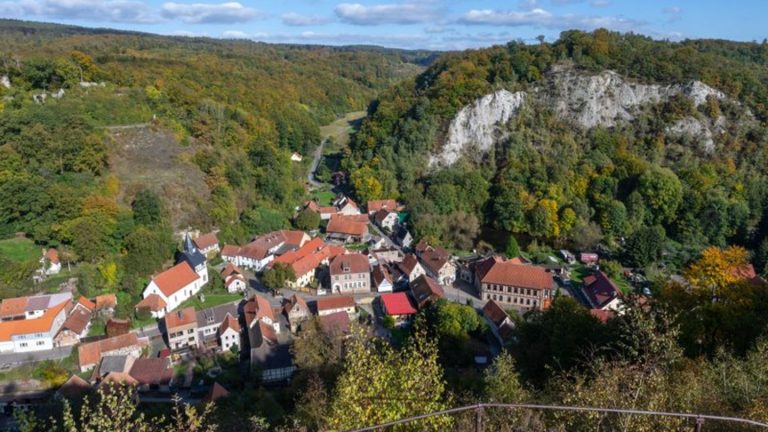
x=363 y=270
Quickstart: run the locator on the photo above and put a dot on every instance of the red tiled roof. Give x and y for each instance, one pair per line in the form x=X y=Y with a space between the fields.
x=180 y=318
x=381 y=215
x=408 y=264
x=349 y=263
x=152 y=302
x=523 y=276
x=175 y=278
x=376 y=205
x=600 y=289
x=206 y=240
x=310 y=262
x=230 y=250
x=336 y=302
x=380 y=274
x=426 y=289
x=42 y=324
x=78 y=320
x=335 y=323
x=256 y=308
x=106 y=301
x=348 y=225
x=307 y=249
x=229 y=269
x=229 y=322
x=295 y=300
x=13 y=306
x=495 y=313
x=259 y=248
x=152 y=371
x=90 y=353
x=52 y=255
x=267 y=332
x=87 y=303
x=434 y=258
x=397 y=304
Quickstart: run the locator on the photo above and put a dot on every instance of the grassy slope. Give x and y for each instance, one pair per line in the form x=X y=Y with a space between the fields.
x=19 y=249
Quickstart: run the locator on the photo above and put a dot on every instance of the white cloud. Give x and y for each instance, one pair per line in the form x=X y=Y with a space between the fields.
x=97 y=10
x=544 y=19
x=235 y=34
x=673 y=12
x=294 y=19
x=600 y=3
x=209 y=13
x=394 y=13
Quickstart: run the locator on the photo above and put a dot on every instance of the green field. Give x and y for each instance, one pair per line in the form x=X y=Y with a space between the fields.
x=323 y=197
x=19 y=249
x=211 y=300
x=340 y=130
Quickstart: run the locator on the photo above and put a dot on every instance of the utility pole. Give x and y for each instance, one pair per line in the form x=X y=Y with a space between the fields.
x=699 y=424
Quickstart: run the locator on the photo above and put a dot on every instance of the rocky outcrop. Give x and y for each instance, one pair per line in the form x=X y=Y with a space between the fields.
x=476 y=126
x=5 y=81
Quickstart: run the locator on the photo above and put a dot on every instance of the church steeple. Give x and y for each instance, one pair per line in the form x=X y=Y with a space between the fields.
x=189 y=245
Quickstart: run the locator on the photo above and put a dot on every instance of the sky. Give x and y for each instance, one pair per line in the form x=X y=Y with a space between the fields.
x=427 y=24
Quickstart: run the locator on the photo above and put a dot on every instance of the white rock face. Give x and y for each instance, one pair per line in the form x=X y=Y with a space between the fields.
x=5 y=81
x=696 y=129
x=607 y=98
x=476 y=126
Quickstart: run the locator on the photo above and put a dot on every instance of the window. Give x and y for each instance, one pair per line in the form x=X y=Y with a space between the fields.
x=39 y=343
x=190 y=331
x=23 y=344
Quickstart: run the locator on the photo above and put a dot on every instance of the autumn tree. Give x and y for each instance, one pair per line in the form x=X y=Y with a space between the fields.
x=366 y=185
x=276 y=277
x=662 y=192
x=307 y=220
x=718 y=269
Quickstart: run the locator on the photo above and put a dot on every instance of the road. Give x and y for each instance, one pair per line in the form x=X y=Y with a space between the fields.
x=125 y=127
x=16 y=359
x=315 y=163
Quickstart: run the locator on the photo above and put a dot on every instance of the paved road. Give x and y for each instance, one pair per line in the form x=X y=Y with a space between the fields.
x=315 y=163
x=15 y=359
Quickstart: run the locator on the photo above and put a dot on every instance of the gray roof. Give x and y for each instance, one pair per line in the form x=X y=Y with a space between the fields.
x=268 y=356
x=113 y=363
x=215 y=315
x=37 y=303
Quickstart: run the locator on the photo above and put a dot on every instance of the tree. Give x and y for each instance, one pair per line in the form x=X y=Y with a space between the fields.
x=512 y=250
x=662 y=192
x=461 y=230
x=718 y=269
x=544 y=219
x=275 y=278
x=317 y=352
x=645 y=246
x=367 y=187
x=147 y=208
x=147 y=249
x=380 y=384
x=307 y=220
x=262 y=219
x=611 y=268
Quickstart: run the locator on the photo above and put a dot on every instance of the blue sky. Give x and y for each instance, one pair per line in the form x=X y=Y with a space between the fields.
x=431 y=24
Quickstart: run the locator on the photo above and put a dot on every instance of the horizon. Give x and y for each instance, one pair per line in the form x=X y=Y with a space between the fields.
x=437 y=25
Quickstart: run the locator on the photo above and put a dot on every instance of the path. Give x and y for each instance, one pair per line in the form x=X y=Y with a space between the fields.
x=124 y=127
x=315 y=163
x=16 y=359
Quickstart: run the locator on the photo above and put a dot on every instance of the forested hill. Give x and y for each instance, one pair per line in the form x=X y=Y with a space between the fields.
x=599 y=138
x=225 y=117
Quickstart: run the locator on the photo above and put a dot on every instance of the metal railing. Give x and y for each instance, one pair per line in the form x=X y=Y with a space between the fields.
x=480 y=408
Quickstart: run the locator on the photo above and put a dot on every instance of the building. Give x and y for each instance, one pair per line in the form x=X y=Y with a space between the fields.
x=410 y=268
x=273 y=361
x=426 y=291
x=152 y=374
x=36 y=333
x=345 y=206
x=297 y=311
x=207 y=244
x=196 y=260
x=386 y=254
x=589 y=258
x=117 y=327
x=403 y=237
x=166 y=291
x=385 y=219
x=106 y=304
x=305 y=261
x=498 y=320
x=438 y=264
x=263 y=249
x=374 y=206
x=76 y=325
x=350 y=274
x=258 y=310
x=234 y=280
x=512 y=285
x=209 y=321
x=50 y=262
x=347 y=228
x=398 y=306
x=601 y=292
x=329 y=305
x=296 y=157
x=89 y=354
x=21 y=308
x=336 y=324
x=382 y=278
x=229 y=333
x=181 y=327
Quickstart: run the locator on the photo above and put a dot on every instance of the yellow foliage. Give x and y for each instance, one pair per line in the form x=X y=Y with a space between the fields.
x=718 y=269
x=108 y=272
x=100 y=205
x=111 y=186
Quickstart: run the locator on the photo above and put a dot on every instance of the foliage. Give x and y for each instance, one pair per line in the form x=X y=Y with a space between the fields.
x=307 y=220
x=275 y=277
x=512 y=250
x=718 y=269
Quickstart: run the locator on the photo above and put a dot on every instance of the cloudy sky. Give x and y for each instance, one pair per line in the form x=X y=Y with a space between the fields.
x=433 y=24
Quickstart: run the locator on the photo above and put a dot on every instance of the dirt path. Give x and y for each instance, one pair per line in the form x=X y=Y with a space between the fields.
x=339 y=130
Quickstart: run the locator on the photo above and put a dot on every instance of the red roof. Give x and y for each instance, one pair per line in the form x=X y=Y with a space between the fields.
x=230 y=250
x=180 y=318
x=229 y=322
x=90 y=353
x=336 y=302
x=106 y=301
x=309 y=247
x=434 y=258
x=426 y=289
x=349 y=263
x=335 y=323
x=348 y=225
x=78 y=320
x=495 y=313
x=397 y=304
x=52 y=255
x=87 y=303
x=41 y=324
x=523 y=276
x=152 y=371
x=376 y=205
x=152 y=302
x=175 y=278
x=230 y=269
x=600 y=289
x=206 y=240
x=408 y=264
x=256 y=308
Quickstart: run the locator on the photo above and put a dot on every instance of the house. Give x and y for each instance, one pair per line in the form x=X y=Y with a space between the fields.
x=273 y=361
x=196 y=260
x=513 y=285
x=207 y=244
x=152 y=373
x=209 y=321
x=89 y=354
x=386 y=254
x=345 y=206
x=263 y=249
x=347 y=229
x=117 y=327
x=36 y=333
x=567 y=256
x=74 y=388
x=181 y=328
x=166 y=291
x=50 y=262
x=76 y=325
x=305 y=261
x=21 y=308
x=403 y=236
x=329 y=305
x=426 y=291
x=588 y=258
x=325 y=212
x=374 y=206
x=113 y=364
x=601 y=292
x=385 y=219
x=258 y=310
x=229 y=333
x=335 y=324
x=234 y=280
x=296 y=157
x=350 y=274
x=382 y=278
x=498 y=320
x=297 y=311
x=410 y=268
x=399 y=306
x=106 y=303
x=438 y=264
